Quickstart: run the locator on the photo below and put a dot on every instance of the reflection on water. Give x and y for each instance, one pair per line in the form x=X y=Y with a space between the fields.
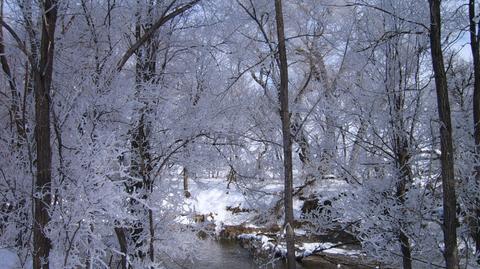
x=228 y=254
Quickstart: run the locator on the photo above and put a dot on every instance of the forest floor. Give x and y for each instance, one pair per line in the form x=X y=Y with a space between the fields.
x=233 y=215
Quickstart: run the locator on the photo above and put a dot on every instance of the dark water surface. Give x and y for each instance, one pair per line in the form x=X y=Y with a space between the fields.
x=228 y=254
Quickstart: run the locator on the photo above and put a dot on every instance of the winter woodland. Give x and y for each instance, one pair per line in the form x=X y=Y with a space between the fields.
x=134 y=132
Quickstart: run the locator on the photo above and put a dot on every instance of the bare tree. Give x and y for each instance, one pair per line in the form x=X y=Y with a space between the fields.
x=474 y=45
x=400 y=141
x=42 y=86
x=287 y=138
x=446 y=141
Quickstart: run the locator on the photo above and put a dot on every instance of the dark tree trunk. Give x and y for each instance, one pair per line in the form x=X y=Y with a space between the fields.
x=122 y=241
x=403 y=157
x=141 y=166
x=400 y=143
x=186 y=193
x=401 y=148
x=42 y=84
x=141 y=169
x=474 y=42
x=406 y=251
x=448 y=179
x=145 y=49
x=151 y=250
x=287 y=138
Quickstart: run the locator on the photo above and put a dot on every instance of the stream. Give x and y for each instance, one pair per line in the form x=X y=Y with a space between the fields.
x=228 y=254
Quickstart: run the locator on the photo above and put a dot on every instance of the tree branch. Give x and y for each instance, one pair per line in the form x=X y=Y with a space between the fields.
x=20 y=44
x=149 y=33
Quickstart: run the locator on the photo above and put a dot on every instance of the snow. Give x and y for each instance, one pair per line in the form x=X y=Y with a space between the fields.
x=309 y=248
x=267 y=243
x=9 y=260
x=304 y=249
x=300 y=232
x=212 y=196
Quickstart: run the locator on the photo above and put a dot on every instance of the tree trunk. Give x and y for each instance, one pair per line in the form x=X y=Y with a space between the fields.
x=186 y=193
x=140 y=169
x=151 y=249
x=287 y=139
x=43 y=80
x=406 y=251
x=122 y=241
x=448 y=179
x=401 y=148
x=405 y=177
x=329 y=145
x=400 y=143
x=474 y=44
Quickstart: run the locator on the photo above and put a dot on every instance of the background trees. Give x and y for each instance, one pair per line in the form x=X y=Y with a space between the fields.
x=104 y=103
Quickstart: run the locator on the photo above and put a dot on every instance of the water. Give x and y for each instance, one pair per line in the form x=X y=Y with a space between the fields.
x=228 y=254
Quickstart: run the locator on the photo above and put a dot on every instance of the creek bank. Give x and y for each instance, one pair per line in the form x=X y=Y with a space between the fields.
x=337 y=249
x=223 y=213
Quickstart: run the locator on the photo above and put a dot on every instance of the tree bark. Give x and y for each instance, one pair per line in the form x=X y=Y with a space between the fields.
x=400 y=143
x=474 y=45
x=151 y=248
x=403 y=157
x=43 y=79
x=406 y=251
x=401 y=148
x=141 y=162
x=186 y=193
x=287 y=139
x=448 y=179
x=122 y=241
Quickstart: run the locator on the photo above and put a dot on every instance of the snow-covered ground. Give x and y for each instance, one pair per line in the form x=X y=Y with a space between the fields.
x=10 y=260
x=211 y=197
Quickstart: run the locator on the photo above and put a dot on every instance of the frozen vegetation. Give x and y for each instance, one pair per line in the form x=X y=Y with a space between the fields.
x=239 y=134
